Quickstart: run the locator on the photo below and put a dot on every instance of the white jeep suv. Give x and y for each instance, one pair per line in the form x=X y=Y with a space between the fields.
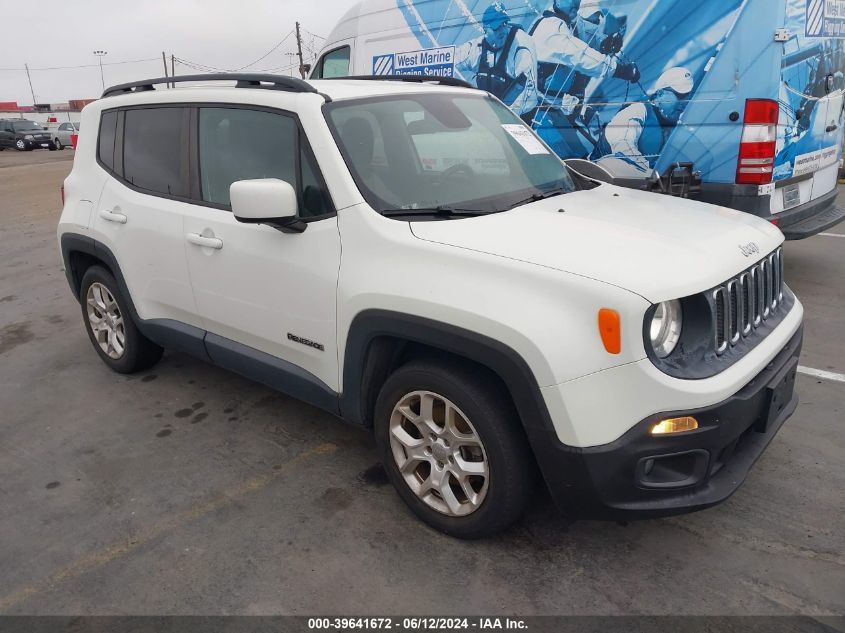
x=412 y=258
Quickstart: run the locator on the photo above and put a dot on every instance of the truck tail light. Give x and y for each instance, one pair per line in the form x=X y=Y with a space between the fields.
x=757 y=149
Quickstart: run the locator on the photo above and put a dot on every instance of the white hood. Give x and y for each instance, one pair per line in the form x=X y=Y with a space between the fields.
x=657 y=246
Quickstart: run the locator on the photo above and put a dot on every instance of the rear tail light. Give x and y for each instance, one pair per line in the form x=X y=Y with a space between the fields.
x=757 y=149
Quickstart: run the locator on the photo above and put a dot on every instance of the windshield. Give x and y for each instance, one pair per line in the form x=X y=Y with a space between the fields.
x=443 y=151
x=24 y=126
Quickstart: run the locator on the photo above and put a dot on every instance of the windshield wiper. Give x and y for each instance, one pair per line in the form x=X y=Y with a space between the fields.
x=441 y=210
x=542 y=195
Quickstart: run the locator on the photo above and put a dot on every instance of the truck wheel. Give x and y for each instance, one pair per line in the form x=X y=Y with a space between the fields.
x=20 y=145
x=454 y=449
x=110 y=326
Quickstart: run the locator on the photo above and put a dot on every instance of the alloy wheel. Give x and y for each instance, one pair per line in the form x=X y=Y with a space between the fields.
x=439 y=453
x=106 y=320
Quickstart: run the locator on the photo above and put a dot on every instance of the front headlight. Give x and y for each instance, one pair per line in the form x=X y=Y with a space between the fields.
x=665 y=328
x=27 y=137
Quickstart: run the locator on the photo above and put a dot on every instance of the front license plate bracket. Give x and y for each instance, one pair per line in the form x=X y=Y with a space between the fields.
x=779 y=393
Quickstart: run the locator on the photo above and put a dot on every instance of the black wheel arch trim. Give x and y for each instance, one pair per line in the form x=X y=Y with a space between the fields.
x=506 y=363
x=166 y=332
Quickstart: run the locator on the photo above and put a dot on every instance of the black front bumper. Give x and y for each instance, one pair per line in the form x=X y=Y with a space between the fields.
x=39 y=143
x=641 y=476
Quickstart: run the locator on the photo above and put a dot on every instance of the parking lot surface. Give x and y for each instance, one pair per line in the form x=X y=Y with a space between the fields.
x=187 y=489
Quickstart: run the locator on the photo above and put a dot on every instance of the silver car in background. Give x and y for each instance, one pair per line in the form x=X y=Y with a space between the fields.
x=62 y=132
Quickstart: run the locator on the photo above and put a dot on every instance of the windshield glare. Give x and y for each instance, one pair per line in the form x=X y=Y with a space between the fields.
x=463 y=152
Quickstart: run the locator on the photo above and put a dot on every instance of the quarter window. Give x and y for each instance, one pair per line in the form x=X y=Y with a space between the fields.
x=105 y=146
x=153 y=157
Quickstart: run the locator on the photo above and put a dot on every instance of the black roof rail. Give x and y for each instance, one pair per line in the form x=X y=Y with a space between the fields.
x=248 y=80
x=417 y=79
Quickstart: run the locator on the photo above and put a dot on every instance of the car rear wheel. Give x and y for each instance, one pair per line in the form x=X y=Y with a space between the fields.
x=454 y=449
x=110 y=327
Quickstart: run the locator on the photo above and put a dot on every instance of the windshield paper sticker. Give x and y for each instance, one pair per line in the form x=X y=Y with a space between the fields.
x=825 y=18
x=433 y=62
x=525 y=138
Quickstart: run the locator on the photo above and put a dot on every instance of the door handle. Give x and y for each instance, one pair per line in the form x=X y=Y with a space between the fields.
x=113 y=217
x=208 y=242
x=831 y=128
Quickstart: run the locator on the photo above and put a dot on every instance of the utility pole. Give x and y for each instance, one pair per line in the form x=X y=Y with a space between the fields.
x=299 y=51
x=173 y=68
x=30 y=84
x=164 y=61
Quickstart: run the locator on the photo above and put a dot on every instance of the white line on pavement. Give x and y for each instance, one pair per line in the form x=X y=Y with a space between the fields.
x=831 y=234
x=820 y=373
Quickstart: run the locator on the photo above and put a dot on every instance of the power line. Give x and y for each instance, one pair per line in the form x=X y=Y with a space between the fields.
x=282 y=41
x=128 y=61
x=314 y=34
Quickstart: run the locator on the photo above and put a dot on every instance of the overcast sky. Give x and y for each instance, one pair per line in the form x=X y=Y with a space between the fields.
x=226 y=34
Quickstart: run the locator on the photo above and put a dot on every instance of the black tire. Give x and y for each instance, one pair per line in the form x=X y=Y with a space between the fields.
x=140 y=353
x=511 y=465
x=21 y=146
x=58 y=144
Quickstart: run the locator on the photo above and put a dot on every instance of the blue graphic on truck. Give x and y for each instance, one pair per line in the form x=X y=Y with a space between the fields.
x=639 y=85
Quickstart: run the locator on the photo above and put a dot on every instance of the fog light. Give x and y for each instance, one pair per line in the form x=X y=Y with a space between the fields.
x=674 y=425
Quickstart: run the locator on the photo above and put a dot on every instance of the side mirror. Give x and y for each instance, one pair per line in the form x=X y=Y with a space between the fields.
x=266 y=201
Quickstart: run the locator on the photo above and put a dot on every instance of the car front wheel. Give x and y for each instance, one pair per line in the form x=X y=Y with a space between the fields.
x=454 y=448
x=20 y=145
x=58 y=144
x=110 y=326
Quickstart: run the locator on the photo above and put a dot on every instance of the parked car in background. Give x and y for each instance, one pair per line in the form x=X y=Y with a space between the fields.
x=62 y=133
x=24 y=135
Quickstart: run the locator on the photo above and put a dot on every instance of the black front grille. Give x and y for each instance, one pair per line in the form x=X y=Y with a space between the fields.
x=743 y=303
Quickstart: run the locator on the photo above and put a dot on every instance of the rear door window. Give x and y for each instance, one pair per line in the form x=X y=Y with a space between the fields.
x=153 y=150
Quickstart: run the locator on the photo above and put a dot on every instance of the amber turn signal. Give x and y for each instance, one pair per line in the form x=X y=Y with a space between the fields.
x=675 y=425
x=610 y=330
